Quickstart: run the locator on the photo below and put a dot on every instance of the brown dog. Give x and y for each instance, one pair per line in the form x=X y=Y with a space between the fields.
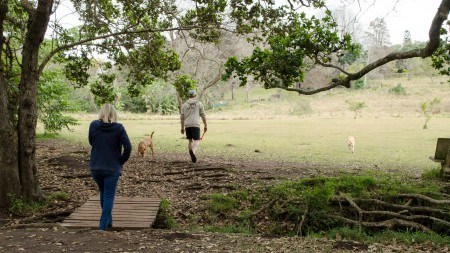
x=142 y=147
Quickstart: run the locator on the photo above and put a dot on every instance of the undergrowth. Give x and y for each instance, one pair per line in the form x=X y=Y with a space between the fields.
x=385 y=236
x=22 y=207
x=317 y=206
x=164 y=219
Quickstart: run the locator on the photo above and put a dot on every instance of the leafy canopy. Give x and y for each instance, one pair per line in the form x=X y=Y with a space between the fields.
x=292 y=45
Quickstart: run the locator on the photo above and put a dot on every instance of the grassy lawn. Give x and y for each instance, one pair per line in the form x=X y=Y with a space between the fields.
x=388 y=143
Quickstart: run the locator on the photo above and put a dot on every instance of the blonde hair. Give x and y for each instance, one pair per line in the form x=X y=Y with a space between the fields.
x=108 y=114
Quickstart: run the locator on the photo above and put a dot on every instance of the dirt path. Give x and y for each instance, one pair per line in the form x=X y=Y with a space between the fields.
x=64 y=167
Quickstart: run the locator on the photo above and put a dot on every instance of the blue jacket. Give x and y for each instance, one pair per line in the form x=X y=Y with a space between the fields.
x=107 y=140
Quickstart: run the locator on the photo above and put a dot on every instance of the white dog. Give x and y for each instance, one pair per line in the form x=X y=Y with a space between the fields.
x=351 y=143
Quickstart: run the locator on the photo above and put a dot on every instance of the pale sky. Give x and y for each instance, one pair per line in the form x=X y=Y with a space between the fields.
x=400 y=15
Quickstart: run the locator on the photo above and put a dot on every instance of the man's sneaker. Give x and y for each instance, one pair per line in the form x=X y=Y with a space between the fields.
x=193 y=158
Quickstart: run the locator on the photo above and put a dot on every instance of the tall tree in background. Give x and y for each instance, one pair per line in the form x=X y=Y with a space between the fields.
x=205 y=61
x=132 y=34
x=377 y=34
x=401 y=64
x=407 y=40
x=377 y=40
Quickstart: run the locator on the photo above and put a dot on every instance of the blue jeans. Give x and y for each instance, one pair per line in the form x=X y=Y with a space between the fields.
x=107 y=185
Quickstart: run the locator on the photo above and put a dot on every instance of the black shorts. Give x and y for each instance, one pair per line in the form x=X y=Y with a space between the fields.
x=193 y=133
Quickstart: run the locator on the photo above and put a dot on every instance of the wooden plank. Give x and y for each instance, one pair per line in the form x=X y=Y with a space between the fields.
x=128 y=213
x=97 y=203
x=115 y=217
x=126 y=199
x=124 y=204
x=95 y=226
x=115 y=207
x=151 y=205
x=134 y=218
x=116 y=224
x=118 y=212
x=127 y=204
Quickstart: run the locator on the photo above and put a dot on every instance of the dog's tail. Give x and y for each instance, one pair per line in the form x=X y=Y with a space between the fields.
x=151 y=135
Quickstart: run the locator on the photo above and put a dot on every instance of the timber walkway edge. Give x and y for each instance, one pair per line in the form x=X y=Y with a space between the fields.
x=128 y=213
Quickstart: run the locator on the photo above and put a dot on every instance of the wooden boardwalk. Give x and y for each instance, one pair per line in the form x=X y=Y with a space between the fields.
x=128 y=213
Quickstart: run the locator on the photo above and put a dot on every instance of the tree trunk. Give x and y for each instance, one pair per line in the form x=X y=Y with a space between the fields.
x=9 y=172
x=27 y=115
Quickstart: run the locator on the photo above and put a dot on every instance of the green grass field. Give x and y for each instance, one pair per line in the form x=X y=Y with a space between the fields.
x=388 y=143
x=389 y=134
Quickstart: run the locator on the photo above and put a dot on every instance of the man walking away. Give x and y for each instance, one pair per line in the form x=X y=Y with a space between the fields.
x=191 y=112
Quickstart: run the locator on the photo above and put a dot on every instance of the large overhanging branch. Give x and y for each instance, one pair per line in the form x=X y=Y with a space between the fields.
x=212 y=82
x=330 y=65
x=432 y=45
x=82 y=42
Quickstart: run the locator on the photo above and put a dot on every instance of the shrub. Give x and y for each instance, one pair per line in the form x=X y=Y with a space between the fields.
x=221 y=203
x=64 y=196
x=358 y=84
x=164 y=219
x=160 y=98
x=354 y=185
x=356 y=107
x=398 y=90
x=427 y=109
x=20 y=206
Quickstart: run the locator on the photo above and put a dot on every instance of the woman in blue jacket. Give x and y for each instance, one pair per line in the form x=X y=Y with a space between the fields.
x=110 y=150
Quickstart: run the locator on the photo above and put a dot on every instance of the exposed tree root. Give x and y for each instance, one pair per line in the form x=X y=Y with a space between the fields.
x=426 y=198
x=178 y=172
x=267 y=178
x=171 y=173
x=222 y=186
x=400 y=208
x=215 y=175
x=390 y=219
x=210 y=169
x=302 y=222
x=195 y=186
x=390 y=224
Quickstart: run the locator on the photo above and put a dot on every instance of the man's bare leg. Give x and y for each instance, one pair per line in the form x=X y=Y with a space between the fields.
x=195 y=146
x=191 y=151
